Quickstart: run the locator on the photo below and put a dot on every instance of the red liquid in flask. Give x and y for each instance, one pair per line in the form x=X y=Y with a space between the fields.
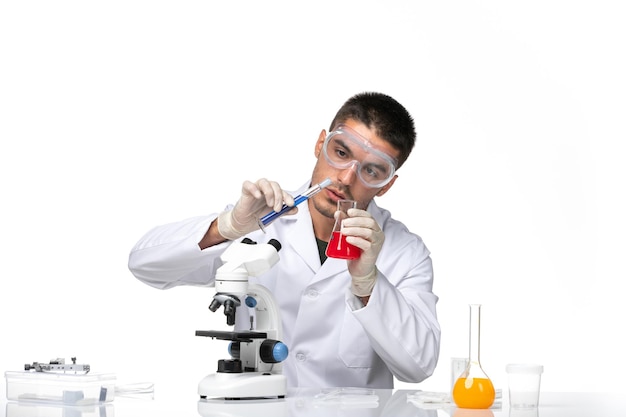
x=339 y=248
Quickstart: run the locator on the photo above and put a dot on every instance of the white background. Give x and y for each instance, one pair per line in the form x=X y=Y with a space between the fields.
x=117 y=116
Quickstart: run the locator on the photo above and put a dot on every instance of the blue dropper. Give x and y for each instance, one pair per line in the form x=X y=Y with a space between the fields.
x=273 y=215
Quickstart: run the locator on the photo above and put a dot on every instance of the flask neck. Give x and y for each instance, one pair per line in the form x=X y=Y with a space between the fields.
x=474 y=339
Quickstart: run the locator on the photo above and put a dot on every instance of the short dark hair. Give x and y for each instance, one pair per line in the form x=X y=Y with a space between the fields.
x=383 y=114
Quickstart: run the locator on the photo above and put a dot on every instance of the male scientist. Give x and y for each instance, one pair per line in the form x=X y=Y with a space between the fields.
x=347 y=323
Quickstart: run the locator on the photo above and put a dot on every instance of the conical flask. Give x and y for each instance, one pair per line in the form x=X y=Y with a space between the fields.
x=473 y=388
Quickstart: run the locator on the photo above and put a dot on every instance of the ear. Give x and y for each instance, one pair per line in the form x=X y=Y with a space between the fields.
x=320 y=143
x=386 y=188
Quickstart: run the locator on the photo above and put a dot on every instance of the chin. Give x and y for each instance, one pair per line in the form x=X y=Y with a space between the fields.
x=324 y=206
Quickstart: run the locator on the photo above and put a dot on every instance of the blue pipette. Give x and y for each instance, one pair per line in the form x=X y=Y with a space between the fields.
x=273 y=215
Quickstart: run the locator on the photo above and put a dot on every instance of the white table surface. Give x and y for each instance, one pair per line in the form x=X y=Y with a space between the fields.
x=301 y=403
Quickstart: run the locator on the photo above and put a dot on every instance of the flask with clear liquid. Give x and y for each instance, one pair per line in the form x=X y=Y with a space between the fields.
x=473 y=388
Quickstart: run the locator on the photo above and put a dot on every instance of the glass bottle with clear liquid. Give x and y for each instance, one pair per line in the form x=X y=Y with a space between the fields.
x=473 y=388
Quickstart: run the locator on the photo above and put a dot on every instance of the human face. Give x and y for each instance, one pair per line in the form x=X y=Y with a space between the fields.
x=345 y=181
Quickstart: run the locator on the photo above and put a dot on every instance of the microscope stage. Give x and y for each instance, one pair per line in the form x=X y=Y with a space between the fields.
x=246 y=336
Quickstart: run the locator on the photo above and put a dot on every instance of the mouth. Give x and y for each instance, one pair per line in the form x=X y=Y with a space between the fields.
x=335 y=194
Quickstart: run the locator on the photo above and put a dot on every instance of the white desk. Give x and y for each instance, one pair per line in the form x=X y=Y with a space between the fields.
x=302 y=403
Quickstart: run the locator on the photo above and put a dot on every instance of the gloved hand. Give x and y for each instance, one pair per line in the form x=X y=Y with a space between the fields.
x=257 y=199
x=363 y=231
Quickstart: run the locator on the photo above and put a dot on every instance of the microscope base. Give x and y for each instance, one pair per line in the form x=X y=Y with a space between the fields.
x=245 y=385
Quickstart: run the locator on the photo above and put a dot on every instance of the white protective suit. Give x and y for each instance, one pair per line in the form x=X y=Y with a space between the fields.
x=333 y=340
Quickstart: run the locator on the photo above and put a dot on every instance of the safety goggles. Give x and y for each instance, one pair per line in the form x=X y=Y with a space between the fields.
x=345 y=148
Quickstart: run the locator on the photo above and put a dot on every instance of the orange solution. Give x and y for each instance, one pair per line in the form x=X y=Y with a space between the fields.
x=339 y=248
x=480 y=394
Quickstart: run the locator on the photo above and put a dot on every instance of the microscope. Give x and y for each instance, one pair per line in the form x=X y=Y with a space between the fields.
x=254 y=370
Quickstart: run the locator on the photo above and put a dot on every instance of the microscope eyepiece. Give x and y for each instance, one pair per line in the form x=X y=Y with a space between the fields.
x=276 y=244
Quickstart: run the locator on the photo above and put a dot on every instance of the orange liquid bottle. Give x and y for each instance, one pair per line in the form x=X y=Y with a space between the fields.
x=473 y=393
x=473 y=388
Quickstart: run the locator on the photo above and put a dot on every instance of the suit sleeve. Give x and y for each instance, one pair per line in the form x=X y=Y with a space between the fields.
x=168 y=255
x=400 y=318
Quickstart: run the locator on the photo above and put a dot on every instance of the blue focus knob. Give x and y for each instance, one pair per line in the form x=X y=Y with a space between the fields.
x=234 y=350
x=280 y=351
x=273 y=351
x=250 y=302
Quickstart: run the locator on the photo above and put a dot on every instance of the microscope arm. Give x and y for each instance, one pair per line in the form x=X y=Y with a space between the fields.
x=266 y=310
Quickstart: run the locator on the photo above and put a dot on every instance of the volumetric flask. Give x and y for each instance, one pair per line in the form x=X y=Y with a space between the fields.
x=474 y=389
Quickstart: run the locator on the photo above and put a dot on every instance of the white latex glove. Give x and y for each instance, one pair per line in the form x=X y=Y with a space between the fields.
x=257 y=199
x=363 y=231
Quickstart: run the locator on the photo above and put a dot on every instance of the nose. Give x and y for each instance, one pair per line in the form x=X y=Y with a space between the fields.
x=349 y=175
